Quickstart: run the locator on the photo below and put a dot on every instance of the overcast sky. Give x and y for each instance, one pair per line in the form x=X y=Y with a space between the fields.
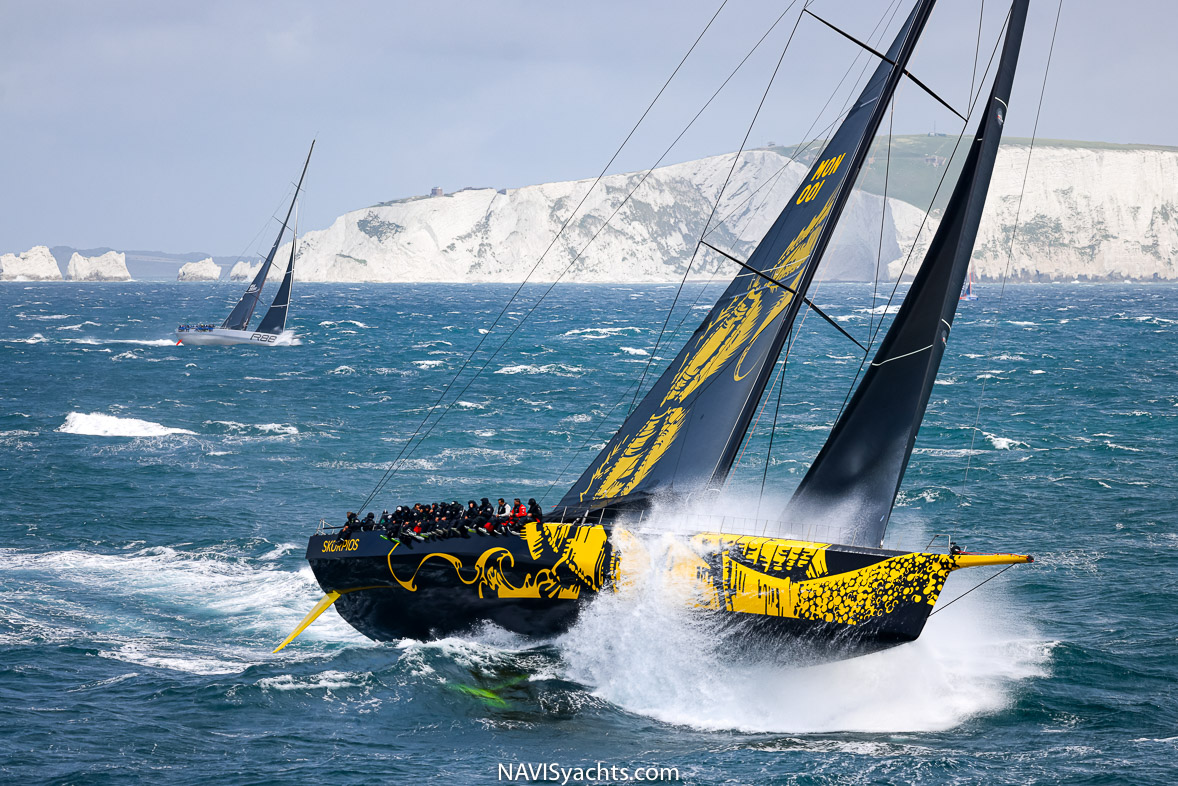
x=180 y=126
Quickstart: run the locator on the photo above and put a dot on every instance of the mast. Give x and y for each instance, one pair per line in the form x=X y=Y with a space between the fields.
x=239 y=317
x=853 y=482
x=684 y=434
x=275 y=319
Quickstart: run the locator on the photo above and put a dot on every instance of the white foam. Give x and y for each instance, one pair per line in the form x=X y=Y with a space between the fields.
x=1003 y=443
x=600 y=332
x=644 y=651
x=326 y=681
x=635 y=351
x=270 y=428
x=428 y=363
x=151 y=342
x=172 y=592
x=277 y=428
x=329 y=323
x=343 y=370
x=96 y=424
x=555 y=369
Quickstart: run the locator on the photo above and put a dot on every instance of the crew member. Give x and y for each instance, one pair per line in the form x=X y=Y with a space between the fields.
x=350 y=526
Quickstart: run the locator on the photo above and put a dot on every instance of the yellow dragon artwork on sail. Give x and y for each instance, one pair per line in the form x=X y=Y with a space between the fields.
x=734 y=329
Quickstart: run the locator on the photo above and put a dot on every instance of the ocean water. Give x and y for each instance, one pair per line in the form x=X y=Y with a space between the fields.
x=155 y=502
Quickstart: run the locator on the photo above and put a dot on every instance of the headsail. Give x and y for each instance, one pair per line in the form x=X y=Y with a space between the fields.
x=275 y=319
x=239 y=317
x=685 y=433
x=855 y=478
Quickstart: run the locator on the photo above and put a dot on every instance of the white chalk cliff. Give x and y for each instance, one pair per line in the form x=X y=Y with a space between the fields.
x=245 y=271
x=1090 y=211
x=111 y=266
x=36 y=264
x=488 y=235
x=204 y=270
x=1094 y=213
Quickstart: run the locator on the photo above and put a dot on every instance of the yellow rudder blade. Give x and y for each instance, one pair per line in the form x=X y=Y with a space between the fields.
x=323 y=605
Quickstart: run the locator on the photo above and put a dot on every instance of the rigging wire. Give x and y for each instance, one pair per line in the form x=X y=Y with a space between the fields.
x=772 y=434
x=1013 y=234
x=265 y=223
x=410 y=447
x=919 y=232
x=883 y=214
x=971 y=589
x=600 y=422
x=796 y=332
x=799 y=149
x=720 y=195
x=977 y=50
x=584 y=248
x=803 y=147
x=407 y=450
x=389 y=471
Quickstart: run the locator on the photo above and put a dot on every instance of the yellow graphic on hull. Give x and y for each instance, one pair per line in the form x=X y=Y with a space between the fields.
x=771 y=577
x=578 y=555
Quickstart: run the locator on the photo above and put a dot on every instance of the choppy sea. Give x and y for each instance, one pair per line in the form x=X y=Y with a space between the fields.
x=155 y=502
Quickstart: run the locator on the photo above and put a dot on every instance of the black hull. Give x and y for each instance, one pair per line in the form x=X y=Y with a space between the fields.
x=820 y=600
x=386 y=615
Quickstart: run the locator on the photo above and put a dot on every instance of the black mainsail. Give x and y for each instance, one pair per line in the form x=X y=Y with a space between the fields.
x=685 y=433
x=275 y=319
x=239 y=317
x=853 y=482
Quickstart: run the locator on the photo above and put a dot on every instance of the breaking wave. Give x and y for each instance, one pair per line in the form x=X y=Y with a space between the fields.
x=96 y=424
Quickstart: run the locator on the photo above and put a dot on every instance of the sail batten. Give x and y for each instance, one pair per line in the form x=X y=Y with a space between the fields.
x=855 y=478
x=685 y=433
x=239 y=317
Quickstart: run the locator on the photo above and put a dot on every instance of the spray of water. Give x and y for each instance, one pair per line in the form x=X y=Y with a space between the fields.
x=643 y=650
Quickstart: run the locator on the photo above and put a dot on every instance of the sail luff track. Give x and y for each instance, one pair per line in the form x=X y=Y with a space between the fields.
x=685 y=433
x=239 y=317
x=855 y=478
